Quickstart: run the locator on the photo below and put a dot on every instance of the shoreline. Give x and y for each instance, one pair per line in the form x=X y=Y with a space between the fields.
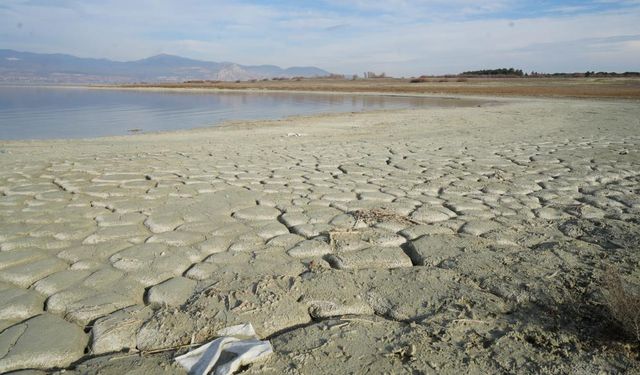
x=481 y=100
x=525 y=87
x=438 y=102
x=335 y=91
x=278 y=91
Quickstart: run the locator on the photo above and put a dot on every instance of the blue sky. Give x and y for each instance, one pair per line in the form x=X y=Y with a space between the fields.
x=399 y=37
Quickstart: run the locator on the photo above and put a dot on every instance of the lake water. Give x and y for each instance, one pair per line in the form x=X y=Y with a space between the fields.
x=54 y=112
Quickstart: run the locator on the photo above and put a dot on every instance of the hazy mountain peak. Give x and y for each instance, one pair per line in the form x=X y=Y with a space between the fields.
x=163 y=57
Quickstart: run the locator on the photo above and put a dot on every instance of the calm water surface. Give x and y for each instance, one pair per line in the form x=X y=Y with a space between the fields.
x=54 y=112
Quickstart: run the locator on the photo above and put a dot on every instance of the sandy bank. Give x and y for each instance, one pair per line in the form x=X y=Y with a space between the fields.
x=523 y=87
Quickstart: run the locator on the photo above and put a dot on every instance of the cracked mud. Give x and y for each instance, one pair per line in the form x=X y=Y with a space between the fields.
x=422 y=241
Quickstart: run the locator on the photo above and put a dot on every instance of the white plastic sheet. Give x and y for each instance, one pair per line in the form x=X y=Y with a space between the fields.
x=239 y=345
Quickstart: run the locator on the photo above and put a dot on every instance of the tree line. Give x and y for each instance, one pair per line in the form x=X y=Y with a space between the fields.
x=511 y=72
x=495 y=72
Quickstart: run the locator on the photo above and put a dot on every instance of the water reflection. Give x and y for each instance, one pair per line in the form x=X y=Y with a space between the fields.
x=37 y=113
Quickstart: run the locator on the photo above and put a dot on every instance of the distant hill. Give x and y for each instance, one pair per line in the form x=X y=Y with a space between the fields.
x=27 y=67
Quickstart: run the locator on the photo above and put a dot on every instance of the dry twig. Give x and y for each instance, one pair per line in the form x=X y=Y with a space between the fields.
x=376 y=215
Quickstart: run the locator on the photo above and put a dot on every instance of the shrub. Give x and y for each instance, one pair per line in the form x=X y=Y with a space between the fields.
x=623 y=304
x=496 y=72
x=419 y=80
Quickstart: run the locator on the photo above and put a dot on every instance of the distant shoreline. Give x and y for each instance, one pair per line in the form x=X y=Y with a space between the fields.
x=202 y=90
x=620 y=88
x=564 y=87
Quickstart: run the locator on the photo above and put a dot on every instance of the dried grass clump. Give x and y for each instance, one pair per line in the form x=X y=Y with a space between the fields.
x=623 y=304
x=419 y=80
x=377 y=215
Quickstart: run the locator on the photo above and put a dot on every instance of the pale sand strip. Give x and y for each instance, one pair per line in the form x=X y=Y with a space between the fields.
x=491 y=230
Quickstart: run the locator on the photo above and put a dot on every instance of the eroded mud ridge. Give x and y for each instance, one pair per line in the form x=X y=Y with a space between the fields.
x=422 y=241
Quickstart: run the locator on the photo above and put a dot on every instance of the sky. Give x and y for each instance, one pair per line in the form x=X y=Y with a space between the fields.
x=402 y=38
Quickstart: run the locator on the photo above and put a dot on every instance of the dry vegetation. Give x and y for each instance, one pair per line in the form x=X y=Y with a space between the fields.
x=623 y=304
x=600 y=87
x=377 y=215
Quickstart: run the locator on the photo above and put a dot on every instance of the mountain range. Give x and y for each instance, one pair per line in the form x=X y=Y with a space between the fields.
x=28 y=67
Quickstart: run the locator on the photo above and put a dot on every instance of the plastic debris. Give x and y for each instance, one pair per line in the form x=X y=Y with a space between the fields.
x=238 y=346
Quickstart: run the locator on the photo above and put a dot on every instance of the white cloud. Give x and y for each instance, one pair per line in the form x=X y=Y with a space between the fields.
x=400 y=37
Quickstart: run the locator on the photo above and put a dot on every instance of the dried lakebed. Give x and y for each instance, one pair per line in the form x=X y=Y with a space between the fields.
x=424 y=241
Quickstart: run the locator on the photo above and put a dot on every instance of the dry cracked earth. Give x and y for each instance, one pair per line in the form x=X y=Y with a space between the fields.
x=466 y=240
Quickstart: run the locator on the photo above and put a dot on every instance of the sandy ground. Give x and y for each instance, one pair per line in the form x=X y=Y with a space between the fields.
x=454 y=240
x=592 y=87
